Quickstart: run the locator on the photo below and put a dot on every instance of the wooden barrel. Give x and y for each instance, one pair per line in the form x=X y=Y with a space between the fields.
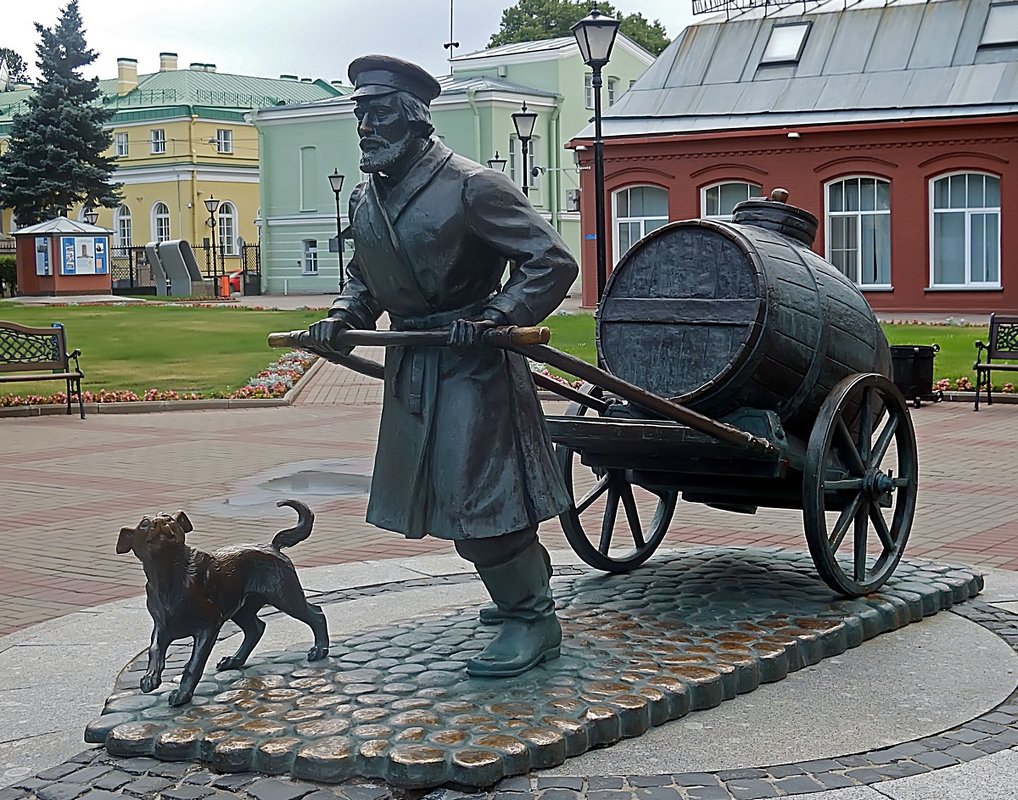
x=727 y=315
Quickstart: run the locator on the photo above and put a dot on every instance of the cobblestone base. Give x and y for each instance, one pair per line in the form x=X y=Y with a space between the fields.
x=393 y=704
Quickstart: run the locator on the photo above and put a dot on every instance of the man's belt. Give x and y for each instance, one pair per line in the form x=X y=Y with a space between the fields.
x=437 y=319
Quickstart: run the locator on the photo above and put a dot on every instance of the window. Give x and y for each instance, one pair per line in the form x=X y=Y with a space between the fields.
x=859 y=229
x=613 y=87
x=965 y=230
x=516 y=158
x=121 y=144
x=224 y=140
x=310 y=263
x=309 y=178
x=123 y=234
x=228 y=229
x=160 y=222
x=785 y=43
x=158 y=141
x=638 y=211
x=1001 y=25
x=588 y=90
x=719 y=201
x=514 y=155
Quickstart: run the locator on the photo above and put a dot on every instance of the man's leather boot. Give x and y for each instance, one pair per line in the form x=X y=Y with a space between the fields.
x=530 y=632
x=490 y=615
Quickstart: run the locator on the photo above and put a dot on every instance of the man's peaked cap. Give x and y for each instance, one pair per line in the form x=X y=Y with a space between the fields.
x=376 y=75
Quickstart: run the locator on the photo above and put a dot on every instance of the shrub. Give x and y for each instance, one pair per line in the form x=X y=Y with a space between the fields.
x=8 y=275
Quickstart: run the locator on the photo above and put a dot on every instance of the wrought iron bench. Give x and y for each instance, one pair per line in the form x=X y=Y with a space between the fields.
x=1003 y=345
x=27 y=353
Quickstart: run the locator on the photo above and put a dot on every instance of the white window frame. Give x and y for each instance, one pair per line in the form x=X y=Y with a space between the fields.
x=309 y=259
x=122 y=144
x=858 y=214
x=224 y=141
x=227 y=232
x=588 y=90
x=969 y=283
x=617 y=220
x=123 y=227
x=612 y=89
x=783 y=57
x=157 y=141
x=1001 y=34
x=162 y=229
x=718 y=185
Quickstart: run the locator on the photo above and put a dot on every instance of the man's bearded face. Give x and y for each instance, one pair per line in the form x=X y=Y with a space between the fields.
x=385 y=132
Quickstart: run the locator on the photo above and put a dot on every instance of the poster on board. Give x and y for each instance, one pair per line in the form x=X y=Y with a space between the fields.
x=84 y=255
x=42 y=262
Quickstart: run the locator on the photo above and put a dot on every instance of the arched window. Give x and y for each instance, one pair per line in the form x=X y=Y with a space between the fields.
x=719 y=201
x=638 y=211
x=859 y=229
x=160 y=222
x=965 y=230
x=228 y=228
x=123 y=232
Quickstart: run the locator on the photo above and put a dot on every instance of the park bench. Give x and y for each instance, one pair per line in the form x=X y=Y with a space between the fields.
x=39 y=354
x=1003 y=344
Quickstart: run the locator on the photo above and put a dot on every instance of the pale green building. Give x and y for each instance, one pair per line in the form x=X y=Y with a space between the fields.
x=300 y=145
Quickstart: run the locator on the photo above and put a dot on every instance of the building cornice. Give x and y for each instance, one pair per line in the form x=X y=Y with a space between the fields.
x=171 y=173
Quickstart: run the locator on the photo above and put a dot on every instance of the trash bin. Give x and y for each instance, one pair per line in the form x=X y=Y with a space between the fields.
x=252 y=283
x=912 y=367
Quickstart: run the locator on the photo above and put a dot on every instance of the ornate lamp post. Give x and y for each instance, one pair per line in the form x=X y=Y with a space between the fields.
x=91 y=215
x=213 y=205
x=336 y=182
x=496 y=163
x=524 y=122
x=595 y=35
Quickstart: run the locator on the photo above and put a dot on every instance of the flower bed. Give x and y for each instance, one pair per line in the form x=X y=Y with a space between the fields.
x=273 y=381
x=963 y=384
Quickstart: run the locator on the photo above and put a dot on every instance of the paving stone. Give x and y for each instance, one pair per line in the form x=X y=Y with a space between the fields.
x=563 y=782
x=965 y=735
x=990 y=746
x=560 y=794
x=935 y=759
x=88 y=774
x=60 y=791
x=275 y=789
x=697 y=779
x=199 y=777
x=113 y=780
x=750 y=789
x=359 y=793
x=864 y=775
x=609 y=794
x=658 y=793
x=189 y=792
x=903 y=769
x=59 y=771
x=137 y=766
x=983 y=726
x=854 y=761
x=100 y=794
x=799 y=784
x=330 y=794
x=820 y=765
x=964 y=752
x=147 y=785
x=519 y=783
x=834 y=780
x=650 y=780
x=739 y=774
x=177 y=770
x=604 y=782
x=32 y=784
x=235 y=781
x=1000 y=719
x=10 y=793
x=708 y=793
x=786 y=770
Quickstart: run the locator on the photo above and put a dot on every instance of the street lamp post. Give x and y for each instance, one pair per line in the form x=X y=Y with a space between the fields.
x=336 y=182
x=212 y=204
x=524 y=121
x=91 y=215
x=497 y=162
x=595 y=35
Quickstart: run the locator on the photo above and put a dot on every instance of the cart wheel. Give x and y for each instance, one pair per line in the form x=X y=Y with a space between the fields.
x=592 y=525
x=861 y=462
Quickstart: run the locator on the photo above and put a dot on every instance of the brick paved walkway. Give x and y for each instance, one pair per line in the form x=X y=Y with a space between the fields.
x=69 y=485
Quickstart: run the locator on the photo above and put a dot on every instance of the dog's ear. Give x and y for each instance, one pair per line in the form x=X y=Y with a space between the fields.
x=183 y=522
x=124 y=542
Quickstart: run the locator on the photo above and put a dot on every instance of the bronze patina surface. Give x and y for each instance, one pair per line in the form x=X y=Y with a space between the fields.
x=702 y=626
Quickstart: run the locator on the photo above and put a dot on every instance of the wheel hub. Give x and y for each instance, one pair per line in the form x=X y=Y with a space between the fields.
x=878 y=484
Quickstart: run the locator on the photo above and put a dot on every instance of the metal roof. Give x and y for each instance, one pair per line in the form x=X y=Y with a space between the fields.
x=518 y=47
x=60 y=225
x=902 y=60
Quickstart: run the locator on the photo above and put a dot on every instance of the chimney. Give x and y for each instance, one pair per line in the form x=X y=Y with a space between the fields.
x=210 y=67
x=197 y=66
x=287 y=77
x=127 y=75
x=306 y=80
x=337 y=84
x=167 y=62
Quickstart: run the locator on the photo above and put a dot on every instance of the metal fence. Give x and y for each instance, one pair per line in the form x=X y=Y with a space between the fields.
x=132 y=274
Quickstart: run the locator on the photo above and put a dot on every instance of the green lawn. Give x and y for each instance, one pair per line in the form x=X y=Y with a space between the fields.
x=211 y=351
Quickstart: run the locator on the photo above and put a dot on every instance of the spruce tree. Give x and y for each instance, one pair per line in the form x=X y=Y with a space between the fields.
x=55 y=158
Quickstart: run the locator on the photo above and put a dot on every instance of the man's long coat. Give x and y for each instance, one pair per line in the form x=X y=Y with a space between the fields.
x=463 y=451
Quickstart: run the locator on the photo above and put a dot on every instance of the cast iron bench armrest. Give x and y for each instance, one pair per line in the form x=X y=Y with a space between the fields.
x=1002 y=343
x=27 y=353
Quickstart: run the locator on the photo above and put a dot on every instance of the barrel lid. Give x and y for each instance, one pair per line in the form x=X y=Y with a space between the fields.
x=774 y=214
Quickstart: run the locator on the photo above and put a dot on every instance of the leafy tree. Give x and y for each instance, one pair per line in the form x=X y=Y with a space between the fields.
x=16 y=66
x=533 y=20
x=55 y=158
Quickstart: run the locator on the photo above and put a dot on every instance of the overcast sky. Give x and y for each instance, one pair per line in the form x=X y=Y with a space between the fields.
x=309 y=38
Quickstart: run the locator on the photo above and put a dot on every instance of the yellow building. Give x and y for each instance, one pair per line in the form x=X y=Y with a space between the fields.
x=179 y=138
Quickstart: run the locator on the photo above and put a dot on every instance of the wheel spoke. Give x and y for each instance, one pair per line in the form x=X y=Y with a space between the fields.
x=849 y=447
x=611 y=513
x=880 y=525
x=632 y=514
x=841 y=526
x=865 y=425
x=861 y=527
x=593 y=494
x=847 y=483
x=884 y=441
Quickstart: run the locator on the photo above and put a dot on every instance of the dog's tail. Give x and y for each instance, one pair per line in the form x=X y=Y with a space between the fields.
x=288 y=537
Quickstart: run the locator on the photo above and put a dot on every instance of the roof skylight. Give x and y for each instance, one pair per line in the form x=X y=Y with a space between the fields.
x=786 y=43
x=1001 y=25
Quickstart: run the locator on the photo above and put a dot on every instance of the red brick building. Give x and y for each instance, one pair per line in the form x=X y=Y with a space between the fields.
x=895 y=125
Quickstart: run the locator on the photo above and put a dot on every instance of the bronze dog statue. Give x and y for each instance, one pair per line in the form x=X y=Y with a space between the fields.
x=192 y=593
